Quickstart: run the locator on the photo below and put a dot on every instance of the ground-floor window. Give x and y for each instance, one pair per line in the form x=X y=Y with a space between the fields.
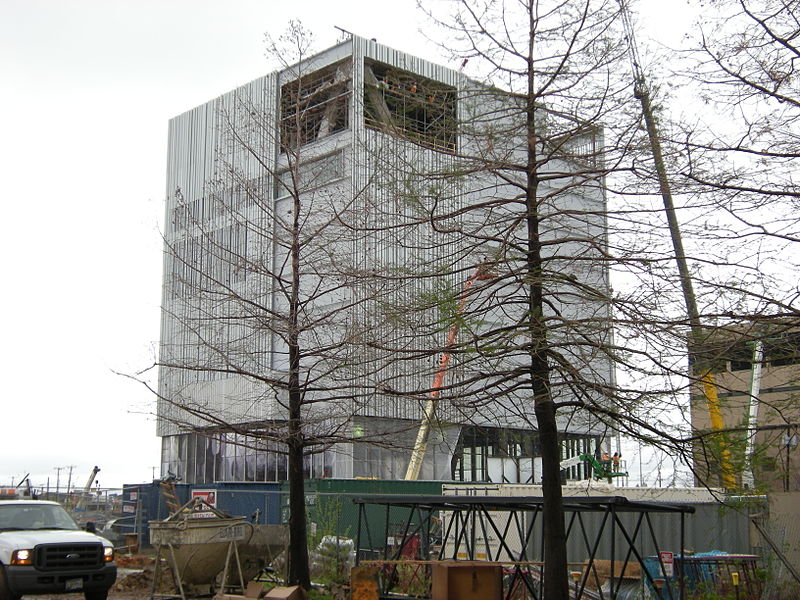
x=227 y=456
x=512 y=455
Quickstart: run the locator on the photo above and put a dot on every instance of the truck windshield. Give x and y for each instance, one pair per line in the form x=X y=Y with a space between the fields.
x=17 y=517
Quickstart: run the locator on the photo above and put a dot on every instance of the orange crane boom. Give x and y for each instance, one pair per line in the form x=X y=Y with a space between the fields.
x=421 y=444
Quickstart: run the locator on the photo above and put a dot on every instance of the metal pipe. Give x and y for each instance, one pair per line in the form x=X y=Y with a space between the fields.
x=748 y=480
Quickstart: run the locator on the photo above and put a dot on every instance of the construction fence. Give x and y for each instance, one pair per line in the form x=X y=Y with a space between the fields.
x=329 y=503
x=776 y=536
x=331 y=512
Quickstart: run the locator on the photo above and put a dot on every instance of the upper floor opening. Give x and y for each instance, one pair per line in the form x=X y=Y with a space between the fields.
x=410 y=106
x=315 y=105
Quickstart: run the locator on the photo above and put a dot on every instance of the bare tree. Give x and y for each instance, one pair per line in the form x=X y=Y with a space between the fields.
x=259 y=338
x=474 y=226
x=550 y=135
x=518 y=219
x=738 y=159
x=744 y=150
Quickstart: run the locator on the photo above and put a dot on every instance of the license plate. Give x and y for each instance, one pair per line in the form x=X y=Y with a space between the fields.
x=73 y=585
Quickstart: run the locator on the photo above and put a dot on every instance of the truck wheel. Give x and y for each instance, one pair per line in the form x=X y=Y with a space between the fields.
x=5 y=593
x=96 y=595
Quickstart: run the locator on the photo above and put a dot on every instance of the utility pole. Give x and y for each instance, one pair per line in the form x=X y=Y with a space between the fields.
x=641 y=468
x=58 y=480
x=69 y=479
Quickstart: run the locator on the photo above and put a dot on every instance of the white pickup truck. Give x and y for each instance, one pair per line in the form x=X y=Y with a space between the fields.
x=43 y=551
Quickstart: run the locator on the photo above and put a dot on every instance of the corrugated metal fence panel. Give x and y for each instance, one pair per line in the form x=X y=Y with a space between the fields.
x=592 y=533
x=239 y=500
x=783 y=529
x=329 y=503
x=373 y=486
x=145 y=499
x=332 y=512
x=711 y=527
x=236 y=499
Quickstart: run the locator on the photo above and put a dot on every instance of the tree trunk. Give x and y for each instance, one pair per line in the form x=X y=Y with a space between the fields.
x=556 y=582
x=298 y=573
x=298 y=542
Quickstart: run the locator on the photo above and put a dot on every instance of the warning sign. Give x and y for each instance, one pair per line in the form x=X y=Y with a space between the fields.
x=209 y=497
x=667 y=562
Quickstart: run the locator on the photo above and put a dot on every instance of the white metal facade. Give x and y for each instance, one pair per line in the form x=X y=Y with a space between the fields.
x=207 y=165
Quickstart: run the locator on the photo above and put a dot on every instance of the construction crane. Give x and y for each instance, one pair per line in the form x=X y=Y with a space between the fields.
x=421 y=443
x=703 y=373
x=29 y=489
x=86 y=489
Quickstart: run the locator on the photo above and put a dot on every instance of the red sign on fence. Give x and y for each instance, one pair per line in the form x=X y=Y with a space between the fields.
x=203 y=511
x=667 y=562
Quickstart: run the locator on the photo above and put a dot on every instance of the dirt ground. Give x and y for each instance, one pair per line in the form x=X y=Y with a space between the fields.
x=135 y=581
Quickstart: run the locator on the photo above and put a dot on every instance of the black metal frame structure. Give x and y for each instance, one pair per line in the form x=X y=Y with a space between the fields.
x=468 y=520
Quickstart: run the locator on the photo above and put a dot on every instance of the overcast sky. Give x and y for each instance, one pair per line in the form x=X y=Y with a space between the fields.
x=88 y=87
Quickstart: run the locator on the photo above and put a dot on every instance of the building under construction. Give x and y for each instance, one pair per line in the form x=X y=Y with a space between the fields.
x=376 y=129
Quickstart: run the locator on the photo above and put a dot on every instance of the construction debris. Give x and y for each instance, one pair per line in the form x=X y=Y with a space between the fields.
x=133 y=561
x=140 y=578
